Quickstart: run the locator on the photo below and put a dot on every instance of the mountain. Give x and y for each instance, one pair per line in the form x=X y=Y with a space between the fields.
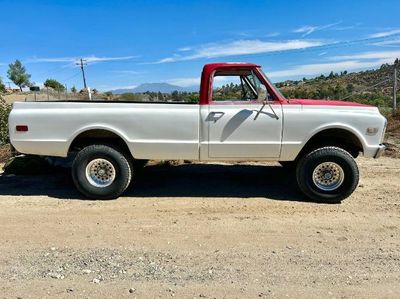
x=154 y=87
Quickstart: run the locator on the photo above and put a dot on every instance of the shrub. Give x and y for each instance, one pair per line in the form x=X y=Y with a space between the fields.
x=4 y=112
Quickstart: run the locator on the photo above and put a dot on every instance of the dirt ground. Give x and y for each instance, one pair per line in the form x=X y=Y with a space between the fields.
x=201 y=231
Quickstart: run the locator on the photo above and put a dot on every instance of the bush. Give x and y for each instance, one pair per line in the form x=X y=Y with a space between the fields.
x=4 y=112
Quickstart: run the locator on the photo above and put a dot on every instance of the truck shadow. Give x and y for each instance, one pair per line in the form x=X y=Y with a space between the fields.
x=185 y=180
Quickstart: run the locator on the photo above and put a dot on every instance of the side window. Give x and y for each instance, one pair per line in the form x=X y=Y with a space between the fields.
x=238 y=86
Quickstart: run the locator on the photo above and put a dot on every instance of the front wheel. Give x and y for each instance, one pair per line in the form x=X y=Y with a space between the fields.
x=101 y=172
x=327 y=174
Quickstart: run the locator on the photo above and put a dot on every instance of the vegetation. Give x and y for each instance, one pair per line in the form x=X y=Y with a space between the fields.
x=4 y=112
x=73 y=89
x=52 y=83
x=2 y=86
x=17 y=74
x=357 y=87
x=148 y=96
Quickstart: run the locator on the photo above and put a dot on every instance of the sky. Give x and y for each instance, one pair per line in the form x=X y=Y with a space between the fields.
x=126 y=43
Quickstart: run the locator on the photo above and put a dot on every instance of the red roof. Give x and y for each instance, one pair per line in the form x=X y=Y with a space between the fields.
x=212 y=66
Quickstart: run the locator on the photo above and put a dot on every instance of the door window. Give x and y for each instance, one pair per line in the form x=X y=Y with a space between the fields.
x=238 y=86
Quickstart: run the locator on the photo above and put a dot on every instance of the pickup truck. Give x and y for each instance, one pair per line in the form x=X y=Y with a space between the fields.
x=318 y=139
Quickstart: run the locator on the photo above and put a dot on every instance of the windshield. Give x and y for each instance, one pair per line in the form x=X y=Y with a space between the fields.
x=276 y=89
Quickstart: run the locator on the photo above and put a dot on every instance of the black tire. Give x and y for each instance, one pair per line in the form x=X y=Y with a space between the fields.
x=120 y=163
x=313 y=161
x=139 y=164
x=288 y=164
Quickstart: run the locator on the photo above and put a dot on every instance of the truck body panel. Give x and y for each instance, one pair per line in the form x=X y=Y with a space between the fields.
x=272 y=129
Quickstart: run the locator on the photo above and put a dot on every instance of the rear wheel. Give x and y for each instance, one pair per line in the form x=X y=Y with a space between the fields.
x=327 y=174
x=101 y=172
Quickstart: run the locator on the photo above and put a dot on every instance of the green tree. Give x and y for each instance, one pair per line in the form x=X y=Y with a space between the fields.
x=2 y=86
x=52 y=83
x=73 y=89
x=17 y=74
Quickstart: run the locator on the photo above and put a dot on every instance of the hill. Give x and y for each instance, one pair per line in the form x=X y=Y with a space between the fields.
x=357 y=86
x=152 y=87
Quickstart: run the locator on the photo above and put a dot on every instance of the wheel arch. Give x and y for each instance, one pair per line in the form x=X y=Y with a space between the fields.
x=98 y=134
x=338 y=135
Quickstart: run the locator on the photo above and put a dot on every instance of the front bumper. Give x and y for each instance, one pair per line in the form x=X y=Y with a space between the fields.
x=379 y=151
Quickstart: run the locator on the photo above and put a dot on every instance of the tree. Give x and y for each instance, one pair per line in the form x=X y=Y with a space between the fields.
x=95 y=91
x=52 y=83
x=160 y=96
x=2 y=86
x=73 y=89
x=17 y=74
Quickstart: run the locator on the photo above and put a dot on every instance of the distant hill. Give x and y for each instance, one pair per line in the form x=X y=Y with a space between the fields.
x=361 y=85
x=154 y=87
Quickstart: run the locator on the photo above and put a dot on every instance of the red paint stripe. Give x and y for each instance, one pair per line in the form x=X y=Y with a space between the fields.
x=324 y=103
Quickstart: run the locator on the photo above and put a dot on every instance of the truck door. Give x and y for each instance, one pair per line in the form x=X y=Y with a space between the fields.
x=243 y=121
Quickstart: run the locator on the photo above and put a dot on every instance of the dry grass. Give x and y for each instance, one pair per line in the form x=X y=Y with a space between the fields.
x=5 y=153
x=392 y=139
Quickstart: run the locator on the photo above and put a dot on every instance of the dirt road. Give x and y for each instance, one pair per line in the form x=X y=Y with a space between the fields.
x=201 y=231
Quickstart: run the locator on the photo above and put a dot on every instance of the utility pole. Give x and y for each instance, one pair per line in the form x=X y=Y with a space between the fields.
x=395 y=90
x=81 y=63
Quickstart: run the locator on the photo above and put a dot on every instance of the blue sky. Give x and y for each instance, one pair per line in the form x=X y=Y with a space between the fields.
x=131 y=42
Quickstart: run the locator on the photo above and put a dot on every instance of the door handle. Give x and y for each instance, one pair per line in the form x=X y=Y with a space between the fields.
x=215 y=115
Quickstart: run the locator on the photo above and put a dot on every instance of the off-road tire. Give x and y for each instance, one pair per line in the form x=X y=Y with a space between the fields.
x=288 y=164
x=120 y=162
x=308 y=163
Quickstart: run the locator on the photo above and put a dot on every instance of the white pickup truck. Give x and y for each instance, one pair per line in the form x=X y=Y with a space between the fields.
x=112 y=139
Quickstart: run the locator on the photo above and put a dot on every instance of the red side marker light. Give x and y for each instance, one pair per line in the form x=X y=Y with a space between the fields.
x=21 y=128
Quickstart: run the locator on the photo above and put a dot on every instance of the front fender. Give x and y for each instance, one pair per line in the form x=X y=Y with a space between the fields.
x=335 y=126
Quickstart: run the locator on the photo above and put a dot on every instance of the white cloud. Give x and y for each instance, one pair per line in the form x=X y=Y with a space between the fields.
x=89 y=59
x=184 y=82
x=384 y=33
x=241 y=47
x=388 y=43
x=386 y=55
x=308 y=29
x=323 y=68
x=339 y=63
x=128 y=72
x=184 y=49
x=272 y=34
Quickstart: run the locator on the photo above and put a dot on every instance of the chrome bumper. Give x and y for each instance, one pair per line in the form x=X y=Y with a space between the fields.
x=379 y=151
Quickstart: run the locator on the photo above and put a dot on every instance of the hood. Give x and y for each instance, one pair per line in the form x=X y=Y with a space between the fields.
x=326 y=103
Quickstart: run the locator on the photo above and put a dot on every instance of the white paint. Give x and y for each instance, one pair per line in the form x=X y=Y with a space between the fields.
x=187 y=131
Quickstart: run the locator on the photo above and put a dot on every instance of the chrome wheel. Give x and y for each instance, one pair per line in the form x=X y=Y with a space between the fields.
x=100 y=173
x=328 y=176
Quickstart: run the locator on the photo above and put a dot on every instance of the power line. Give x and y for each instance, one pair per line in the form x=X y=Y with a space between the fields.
x=335 y=45
x=395 y=88
x=71 y=77
x=366 y=88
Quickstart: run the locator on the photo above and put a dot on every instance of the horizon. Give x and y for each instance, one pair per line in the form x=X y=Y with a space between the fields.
x=133 y=43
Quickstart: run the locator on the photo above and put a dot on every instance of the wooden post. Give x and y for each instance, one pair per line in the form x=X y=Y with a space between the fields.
x=395 y=90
